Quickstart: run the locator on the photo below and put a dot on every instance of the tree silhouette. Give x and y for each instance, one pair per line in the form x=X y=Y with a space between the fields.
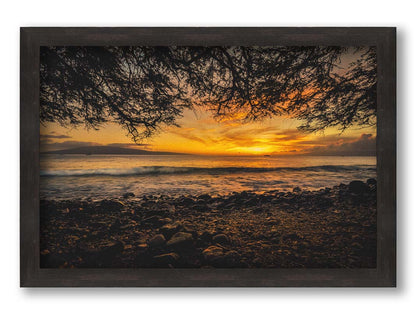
x=142 y=88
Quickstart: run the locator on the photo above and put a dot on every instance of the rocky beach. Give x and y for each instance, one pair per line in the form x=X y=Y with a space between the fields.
x=327 y=228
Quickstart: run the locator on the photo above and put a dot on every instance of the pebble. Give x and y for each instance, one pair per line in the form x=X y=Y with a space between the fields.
x=157 y=241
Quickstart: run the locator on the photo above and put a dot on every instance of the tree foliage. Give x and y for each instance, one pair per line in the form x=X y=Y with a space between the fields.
x=142 y=88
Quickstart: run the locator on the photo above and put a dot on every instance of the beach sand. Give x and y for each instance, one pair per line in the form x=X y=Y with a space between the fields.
x=329 y=228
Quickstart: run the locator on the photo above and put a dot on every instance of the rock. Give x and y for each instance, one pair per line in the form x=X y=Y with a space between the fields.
x=115 y=227
x=128 y=194
x=357 y=187
x=206 y=236
x=251 y=202
x=220 y=239
x=111 y=204
x=102 y=255
x=291 y=237
x=142 y=247
x=165 y=220
x=185 y=201
x=166 y=260
x=215 y=256
x=113 y=248
x=157 y=241
x=168 y=230
x=258 y=210
x=231 y=258
x=167 y=207
x=204 y=197
x=181 y=240
x=149 y=203
x=156 y=212
x=257 y=262
x=188 y=227
x=372 y=182
x=201 y=207
x=296 y=189
x=213 y=253
x=272 y=221
x=152 y=220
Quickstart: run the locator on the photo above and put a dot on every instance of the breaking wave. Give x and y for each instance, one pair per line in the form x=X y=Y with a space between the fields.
x=167 y=170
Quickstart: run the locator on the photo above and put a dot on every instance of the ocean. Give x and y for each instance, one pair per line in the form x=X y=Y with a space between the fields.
x=110 y=176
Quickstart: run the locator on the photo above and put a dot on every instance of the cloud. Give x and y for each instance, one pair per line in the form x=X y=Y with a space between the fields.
x=129 y=145
x=186 y=133
x=49 y=145
x=45 y=145
x=53 y=136
x=365 y=145
x=289 y=135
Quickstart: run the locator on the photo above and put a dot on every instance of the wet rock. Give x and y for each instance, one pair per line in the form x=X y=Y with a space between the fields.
x=227 y=206
x=166 y=207
x=325 y=202
x=128 y=194
x=357 y=187
x=149 y=203
x=296 y=190
x=372 y=182
x=185 y=201
x=251 y=202
x=157 y=241
x=156 y=212
x=204 y=197
x=114 y=204
x=181 y=240
x=221 y=239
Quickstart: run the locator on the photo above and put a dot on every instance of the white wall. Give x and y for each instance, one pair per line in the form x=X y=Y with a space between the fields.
x=204 y=13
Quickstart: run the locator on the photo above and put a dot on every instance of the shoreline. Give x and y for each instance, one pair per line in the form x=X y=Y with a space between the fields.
x=329 y=228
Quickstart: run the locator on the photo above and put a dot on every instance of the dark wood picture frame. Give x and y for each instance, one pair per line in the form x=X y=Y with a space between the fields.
x=31 y=275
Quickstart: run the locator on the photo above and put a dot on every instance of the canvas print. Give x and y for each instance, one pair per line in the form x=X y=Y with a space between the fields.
x=208 y=157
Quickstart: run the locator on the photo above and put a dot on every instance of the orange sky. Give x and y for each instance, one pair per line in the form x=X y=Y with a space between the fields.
x=199 y=133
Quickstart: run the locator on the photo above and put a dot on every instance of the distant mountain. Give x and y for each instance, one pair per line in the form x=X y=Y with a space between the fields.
x=108 y=150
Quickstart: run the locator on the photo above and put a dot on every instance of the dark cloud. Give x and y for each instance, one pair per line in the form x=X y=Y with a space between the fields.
x=45 y=145
x=49 y=145
x=129 y=145
x=53 y=136
x=365 y=145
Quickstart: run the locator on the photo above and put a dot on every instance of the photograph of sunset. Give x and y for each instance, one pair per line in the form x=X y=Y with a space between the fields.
x=208 y=157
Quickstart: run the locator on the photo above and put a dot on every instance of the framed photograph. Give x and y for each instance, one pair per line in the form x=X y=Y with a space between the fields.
x=208 y=157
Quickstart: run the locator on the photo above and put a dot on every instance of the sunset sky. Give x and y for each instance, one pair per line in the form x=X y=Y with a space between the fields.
x=199 y=133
